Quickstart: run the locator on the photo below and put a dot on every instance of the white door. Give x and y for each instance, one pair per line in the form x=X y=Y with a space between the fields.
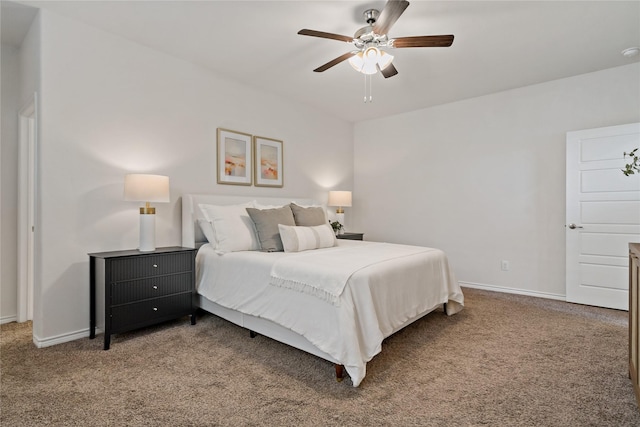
x=603 y=215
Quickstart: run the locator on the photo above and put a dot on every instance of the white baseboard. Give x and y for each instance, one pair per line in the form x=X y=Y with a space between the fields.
x=516 y=291
x=8 y=319
x=59 y=339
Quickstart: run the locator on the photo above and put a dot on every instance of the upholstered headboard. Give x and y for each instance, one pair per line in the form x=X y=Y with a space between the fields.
x=191 y=234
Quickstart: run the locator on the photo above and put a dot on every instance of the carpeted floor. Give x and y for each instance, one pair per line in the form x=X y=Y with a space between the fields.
x=505 y=360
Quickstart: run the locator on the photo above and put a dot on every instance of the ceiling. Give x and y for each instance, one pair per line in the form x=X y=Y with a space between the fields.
x=498 y=45
x=15 y=22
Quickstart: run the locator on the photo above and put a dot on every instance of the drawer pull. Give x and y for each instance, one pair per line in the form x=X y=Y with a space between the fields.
x=155 y=308
x=155 y=287
x=155 y=265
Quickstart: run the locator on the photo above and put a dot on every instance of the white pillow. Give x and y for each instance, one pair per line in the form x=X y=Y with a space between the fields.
x=232 y=227
x=298 y=238
x=207 y=230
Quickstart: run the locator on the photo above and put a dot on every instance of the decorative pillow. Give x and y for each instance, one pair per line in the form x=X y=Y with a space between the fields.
x=232 y=227
x=309 y=216
x=266 y=222
x=259 y=206
x=206 y=232
x=298 y=239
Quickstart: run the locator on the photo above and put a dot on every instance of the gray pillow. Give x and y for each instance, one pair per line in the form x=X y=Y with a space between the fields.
x=266 y=222
x=308 y=217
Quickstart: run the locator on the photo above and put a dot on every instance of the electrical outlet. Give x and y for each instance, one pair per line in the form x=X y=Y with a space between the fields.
x=504 y=265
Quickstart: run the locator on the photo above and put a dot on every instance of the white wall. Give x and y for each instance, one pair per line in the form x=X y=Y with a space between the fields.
x=484 y=178
x=109 y=107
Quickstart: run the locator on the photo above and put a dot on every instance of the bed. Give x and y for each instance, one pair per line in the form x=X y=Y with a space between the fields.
x=338 y=301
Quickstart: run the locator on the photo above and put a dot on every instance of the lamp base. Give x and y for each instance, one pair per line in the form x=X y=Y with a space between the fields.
x=147 y=233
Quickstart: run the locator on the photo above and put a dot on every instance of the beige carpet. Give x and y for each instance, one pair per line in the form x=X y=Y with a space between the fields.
x=504 y=361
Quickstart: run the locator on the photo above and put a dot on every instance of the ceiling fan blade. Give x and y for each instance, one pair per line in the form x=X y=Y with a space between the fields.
x=389 y=15
x=423 y=41
x=388 y=71
x=324 y=35
x=334 y=62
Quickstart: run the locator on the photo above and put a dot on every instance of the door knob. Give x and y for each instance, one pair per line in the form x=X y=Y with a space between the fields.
x=573 y=226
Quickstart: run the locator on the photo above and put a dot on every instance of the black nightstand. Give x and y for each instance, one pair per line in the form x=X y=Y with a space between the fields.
x=133 y=289
x=351 y=236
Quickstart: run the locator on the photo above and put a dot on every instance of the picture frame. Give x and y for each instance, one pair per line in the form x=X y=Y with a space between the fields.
x=234 y=157
x=268 y=162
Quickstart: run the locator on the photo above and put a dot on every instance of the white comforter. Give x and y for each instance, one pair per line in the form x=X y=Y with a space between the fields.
x=376 y=300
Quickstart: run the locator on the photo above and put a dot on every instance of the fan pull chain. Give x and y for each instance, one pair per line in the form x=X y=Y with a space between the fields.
x=368 y=93
x=365 y=88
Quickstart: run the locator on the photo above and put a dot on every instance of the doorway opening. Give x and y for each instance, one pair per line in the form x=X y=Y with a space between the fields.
x=27 y=191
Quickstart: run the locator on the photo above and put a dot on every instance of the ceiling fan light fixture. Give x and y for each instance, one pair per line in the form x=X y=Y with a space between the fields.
x=361 y=63
x=384 y=60
x=357 y=62
x=368 y=61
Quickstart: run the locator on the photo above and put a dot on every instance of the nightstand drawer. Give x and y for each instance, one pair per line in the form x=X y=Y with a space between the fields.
x=131 y=316
x=150 y=265
x=152 y=287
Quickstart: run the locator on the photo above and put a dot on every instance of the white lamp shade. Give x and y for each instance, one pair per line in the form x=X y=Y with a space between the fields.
x=359 y=63
x=146 y=188
x=367 y=62
x=340 y=198
x=384 y=60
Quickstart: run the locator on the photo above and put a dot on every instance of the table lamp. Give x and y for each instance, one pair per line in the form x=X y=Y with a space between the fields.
x=147 y=188
x=340 y=199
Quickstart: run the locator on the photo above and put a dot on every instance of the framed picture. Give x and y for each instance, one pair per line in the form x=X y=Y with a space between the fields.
x=234 y=157
x=267 y=158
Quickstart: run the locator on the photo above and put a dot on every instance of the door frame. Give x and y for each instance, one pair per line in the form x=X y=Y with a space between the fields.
x=27 y=207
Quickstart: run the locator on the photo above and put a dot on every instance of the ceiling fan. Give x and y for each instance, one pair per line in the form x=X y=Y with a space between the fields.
x=368 y=58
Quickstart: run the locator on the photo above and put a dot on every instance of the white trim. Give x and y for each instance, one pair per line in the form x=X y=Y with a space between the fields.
x=8 y=319
x=60 y=339
x=516 y=291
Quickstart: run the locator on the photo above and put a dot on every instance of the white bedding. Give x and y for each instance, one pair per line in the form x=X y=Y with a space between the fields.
x=376 y=301
x=325 y=274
